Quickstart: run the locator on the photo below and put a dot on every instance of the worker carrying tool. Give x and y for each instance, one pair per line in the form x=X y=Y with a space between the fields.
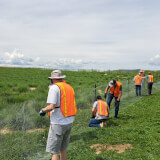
x=115 y=91
x=100 y=113
x=150 y=82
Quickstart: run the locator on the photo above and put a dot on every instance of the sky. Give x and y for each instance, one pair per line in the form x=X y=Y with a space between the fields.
x=80 y=34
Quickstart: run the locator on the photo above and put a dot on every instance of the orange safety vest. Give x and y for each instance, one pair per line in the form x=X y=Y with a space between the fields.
x=150 y=78
x=102 y=108
x=138 y=80
x=115 y=91
x=67 y=104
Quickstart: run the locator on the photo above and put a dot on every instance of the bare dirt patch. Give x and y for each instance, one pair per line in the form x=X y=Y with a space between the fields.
x=120 y=148
x=35 y=130
x=32 y=88
x=100 y=91
x=6 y=130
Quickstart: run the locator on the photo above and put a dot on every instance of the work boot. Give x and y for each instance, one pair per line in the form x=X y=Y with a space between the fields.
x=103 y=124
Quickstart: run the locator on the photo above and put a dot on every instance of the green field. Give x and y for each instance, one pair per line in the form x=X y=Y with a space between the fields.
x=23 y=92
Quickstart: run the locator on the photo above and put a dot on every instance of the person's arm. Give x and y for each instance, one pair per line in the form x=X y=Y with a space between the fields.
x=49 y=108
x=120 y=93
x=147 y=77
x=94 y=109
x=107 y=88
x=94 y=112
x=105 y=94
x=108 y=109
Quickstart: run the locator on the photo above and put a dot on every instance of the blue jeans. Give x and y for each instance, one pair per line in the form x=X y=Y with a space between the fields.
x=138 y=88
x=109 y=100
x=150 y=88
x=94 y=123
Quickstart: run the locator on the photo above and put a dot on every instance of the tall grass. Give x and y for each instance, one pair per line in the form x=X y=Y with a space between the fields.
x=20 y=106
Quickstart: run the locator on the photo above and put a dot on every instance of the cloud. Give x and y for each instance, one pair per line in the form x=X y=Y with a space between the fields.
x=78 y=34
x=16 y=58
x=155 y=60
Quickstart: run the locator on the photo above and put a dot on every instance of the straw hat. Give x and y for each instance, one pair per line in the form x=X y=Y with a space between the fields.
x=56 y=74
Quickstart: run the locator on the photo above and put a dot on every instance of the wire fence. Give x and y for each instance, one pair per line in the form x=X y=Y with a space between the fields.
x=86 y=97
x=24 y=133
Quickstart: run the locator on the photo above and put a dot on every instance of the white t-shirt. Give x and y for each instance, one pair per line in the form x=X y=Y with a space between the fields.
x=56 y=114
x=95 y=105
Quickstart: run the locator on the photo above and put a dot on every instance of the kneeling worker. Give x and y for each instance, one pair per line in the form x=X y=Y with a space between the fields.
x=100 y=113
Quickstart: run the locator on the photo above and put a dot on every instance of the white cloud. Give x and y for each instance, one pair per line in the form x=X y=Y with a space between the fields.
x=155 y=60
x=16 y=58
x=76 y=33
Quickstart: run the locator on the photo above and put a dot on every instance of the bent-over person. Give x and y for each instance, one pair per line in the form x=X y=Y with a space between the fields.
x=115 y=91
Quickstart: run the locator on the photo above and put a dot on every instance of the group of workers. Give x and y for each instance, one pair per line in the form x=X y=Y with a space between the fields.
x=138 y=79
x=62 y=108
x=101 y=109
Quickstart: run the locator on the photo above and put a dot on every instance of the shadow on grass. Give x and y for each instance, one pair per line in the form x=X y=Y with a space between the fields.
x=127 y=117
x=100 y=158
x=85 y=136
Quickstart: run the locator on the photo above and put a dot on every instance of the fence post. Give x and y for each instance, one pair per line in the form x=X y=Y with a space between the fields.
x=156 y=77
x=128 y=87
x=95 y=91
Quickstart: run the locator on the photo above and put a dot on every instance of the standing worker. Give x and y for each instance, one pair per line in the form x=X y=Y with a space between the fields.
x=141 y=73
x=115 y=91
x=62 y=106
x=150 y=82
x=138 y=82
x=100 y=113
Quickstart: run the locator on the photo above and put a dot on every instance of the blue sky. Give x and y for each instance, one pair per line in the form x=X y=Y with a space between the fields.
x=80 y=34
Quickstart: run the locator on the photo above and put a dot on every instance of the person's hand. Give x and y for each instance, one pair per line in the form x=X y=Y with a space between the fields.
x=117 y=101
x=105 y=95
x=92 y=116
x=41 y=113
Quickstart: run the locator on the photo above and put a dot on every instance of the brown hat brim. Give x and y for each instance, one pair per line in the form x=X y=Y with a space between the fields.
x=61 y=77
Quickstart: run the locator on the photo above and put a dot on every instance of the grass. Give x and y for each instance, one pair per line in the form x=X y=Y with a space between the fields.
x=19 y=111
x=138 y=125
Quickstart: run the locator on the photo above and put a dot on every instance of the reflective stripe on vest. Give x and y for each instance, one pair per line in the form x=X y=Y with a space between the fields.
x=115 y=91
x=67 y=104
x=138 y=80
x=150 y=78
x=102 y=108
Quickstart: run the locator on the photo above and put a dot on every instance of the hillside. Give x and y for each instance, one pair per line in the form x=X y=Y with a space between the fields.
x=23 y=132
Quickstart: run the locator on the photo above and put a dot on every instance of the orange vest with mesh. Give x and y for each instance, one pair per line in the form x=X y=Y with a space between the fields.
x=115 y=91
x=138 y=80
x=150 y=78
x=49 y=114
x=102 y=108
x=67 y=104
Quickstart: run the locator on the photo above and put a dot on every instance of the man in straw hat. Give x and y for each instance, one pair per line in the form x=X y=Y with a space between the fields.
x=62 y=106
